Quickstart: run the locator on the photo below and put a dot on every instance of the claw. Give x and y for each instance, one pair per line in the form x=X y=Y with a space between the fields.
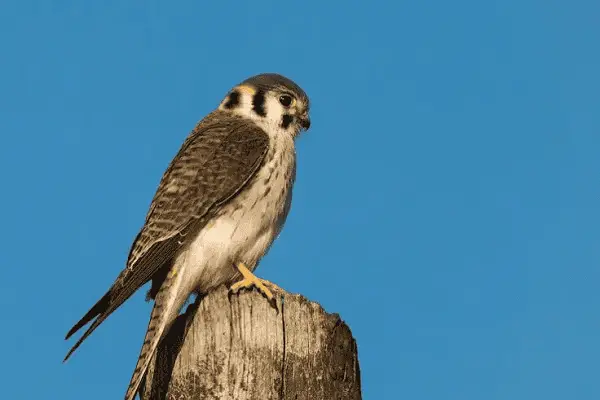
x=250 y=280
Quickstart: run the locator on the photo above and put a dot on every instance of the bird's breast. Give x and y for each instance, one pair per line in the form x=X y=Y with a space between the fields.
x=259 y=212
x=247 y=225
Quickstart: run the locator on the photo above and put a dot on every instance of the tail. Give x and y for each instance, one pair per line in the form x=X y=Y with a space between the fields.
x=166 y=308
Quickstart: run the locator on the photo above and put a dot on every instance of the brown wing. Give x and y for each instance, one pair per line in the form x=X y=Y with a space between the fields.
x=215 y=162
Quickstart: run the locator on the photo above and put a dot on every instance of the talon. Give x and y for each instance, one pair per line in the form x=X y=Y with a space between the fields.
x=271 y=285
x=249 y=280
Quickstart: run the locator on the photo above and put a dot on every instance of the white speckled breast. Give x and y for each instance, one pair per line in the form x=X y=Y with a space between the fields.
x=247 y=225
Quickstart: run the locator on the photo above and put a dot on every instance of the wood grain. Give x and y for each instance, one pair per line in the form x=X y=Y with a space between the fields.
x=242 y=347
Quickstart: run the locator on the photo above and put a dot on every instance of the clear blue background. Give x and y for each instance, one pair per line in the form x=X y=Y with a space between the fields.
x=447 y=195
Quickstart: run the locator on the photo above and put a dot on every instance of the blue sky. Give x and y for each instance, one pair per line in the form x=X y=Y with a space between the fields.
x=447 y=195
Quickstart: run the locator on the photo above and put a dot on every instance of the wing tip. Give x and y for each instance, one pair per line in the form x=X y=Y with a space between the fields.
x=97 y=309
x=74 y=329
x=67 y=356
x=72 y=350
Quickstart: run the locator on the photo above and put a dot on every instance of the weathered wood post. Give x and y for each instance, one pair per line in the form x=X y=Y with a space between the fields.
x=241 y=347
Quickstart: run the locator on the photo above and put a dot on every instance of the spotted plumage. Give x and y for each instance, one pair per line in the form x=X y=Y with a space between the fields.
x=219 y=205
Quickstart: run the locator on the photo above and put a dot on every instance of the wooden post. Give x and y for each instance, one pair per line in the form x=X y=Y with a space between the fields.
x=241 y=347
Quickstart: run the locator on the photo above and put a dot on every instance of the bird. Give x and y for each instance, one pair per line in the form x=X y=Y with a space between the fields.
x=219 y=206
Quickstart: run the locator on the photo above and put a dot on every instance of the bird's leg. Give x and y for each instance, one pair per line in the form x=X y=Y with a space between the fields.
x=249 y=280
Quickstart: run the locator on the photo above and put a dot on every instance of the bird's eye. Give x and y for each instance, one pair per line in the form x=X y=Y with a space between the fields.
x=285 y=100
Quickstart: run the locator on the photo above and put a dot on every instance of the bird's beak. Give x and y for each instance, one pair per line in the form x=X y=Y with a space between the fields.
x=304 y=121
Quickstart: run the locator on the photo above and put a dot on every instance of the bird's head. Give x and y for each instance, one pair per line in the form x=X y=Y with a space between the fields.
x=272 y=101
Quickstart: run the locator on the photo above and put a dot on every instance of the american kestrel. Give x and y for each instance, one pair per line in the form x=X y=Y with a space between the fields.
x=219 y=205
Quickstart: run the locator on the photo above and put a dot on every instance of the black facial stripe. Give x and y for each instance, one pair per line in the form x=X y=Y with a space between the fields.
x=258 y=103
x=233 y=99
x=286 y=121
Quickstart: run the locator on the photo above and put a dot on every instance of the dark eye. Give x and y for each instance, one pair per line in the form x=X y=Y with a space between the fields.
x=285 y=100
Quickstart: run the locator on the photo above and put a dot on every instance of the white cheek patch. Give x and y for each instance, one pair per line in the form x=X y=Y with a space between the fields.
x=274 y=110
x=273 y=120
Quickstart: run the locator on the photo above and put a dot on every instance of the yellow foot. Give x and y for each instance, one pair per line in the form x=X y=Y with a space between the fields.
x=249 y=280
